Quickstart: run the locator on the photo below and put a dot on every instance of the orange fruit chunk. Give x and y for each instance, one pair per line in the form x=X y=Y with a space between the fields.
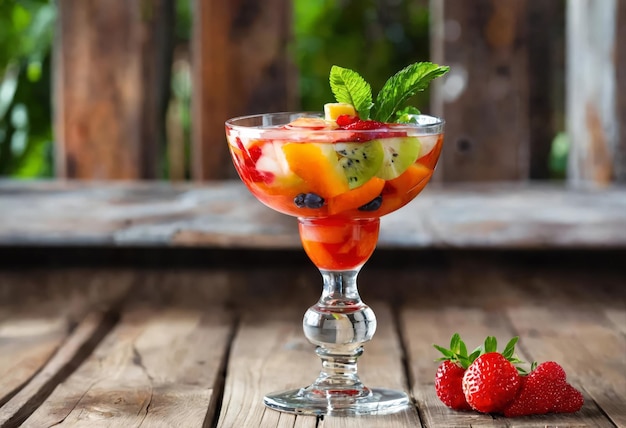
x=331 y=245
x=356 y=197
x=410 y=178
x=318 y=166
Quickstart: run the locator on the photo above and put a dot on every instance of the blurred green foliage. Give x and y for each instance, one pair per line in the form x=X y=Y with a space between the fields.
x=25 y=100
x=376 y=38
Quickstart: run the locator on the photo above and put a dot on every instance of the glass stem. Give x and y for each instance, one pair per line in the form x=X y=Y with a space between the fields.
x=339 y=323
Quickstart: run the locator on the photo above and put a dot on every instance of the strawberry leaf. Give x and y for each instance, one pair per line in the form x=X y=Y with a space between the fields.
x=349 y=87
x=490 y=345
x=454 y=340
x=448 y=354
x=475 y=354
x=402 y=86
x=510 y=348
x=462 y=349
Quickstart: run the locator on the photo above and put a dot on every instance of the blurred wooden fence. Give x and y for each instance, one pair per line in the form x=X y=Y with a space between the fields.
x=501 y=101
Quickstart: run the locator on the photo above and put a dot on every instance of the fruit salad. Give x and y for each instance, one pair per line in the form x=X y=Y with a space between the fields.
x=340 y=169
x=315 y=167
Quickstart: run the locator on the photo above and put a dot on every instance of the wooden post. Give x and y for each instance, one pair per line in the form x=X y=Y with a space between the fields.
x=112 y=62
x=240 y=66
x=546 y=87
x=484 y=99
x=620 y=64
x=592 y=91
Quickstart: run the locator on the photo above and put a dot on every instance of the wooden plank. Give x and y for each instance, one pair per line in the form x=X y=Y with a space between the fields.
x=112 y=62
x=381 y=365
x=271 y=353
x=78 y=345
x=487 y=125
x=588 y=347
x=156 y=368
x=241 y=66
x=543 y=308
x=28 y=338
x=225 y=215
x=592 y=122
x=473 y=324
x=68 y=292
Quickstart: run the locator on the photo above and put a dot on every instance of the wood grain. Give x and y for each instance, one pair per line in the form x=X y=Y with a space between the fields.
x=156 y=368
x=589 y=349
x=28 y=338
x=381 y=366
x=225 y=215
x=112 y=62
x=592 y=122
x=269 y=353
x=557 y=316
x=163 y=363
x=487 y=123
x=72 y=353
x=619 y=161
x=240 y=67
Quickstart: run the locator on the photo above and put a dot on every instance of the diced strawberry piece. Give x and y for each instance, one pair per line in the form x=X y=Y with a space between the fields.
x=247 y=164
x=240 y=145
x=255 y=153
x=365 y=125
x=346 y=119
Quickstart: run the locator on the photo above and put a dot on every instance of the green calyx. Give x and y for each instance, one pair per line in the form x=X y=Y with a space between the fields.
x=458 y=352
x=349 y=87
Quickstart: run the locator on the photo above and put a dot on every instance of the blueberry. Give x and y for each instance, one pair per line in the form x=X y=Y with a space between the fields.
x=308 y=200
x=372 y=205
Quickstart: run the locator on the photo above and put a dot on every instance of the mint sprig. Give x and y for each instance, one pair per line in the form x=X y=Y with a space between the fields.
x=402 y=86
x=349 y=87
x=407 y=115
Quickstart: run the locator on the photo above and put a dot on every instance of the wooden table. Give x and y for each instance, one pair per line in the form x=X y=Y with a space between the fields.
x=155 y=305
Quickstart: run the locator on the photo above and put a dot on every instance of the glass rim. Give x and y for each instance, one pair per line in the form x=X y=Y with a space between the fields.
x=430 y=124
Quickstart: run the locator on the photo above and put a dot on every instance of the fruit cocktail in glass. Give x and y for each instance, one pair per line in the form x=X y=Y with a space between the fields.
x=338 y=174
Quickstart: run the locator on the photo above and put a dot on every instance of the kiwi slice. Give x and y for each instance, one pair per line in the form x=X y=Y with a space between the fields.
x=360 y=161
x=399 y=154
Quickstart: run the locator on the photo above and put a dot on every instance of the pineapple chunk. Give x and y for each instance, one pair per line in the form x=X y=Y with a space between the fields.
x=333 y=110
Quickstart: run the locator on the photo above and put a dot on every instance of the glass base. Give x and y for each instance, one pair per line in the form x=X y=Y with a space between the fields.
x=380 y=401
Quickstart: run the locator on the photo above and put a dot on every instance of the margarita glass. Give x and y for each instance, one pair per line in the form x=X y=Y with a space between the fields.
x=338 y=183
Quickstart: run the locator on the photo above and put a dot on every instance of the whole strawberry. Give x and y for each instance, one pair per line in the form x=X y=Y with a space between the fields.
x=545 y=390
x=448 y=385
x=568 y=400
x=491 y=381
x=449 y=376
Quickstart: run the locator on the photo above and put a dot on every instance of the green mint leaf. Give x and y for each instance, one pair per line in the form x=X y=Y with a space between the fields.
x=349 y=87
x=407 y=115
x=402 y=86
